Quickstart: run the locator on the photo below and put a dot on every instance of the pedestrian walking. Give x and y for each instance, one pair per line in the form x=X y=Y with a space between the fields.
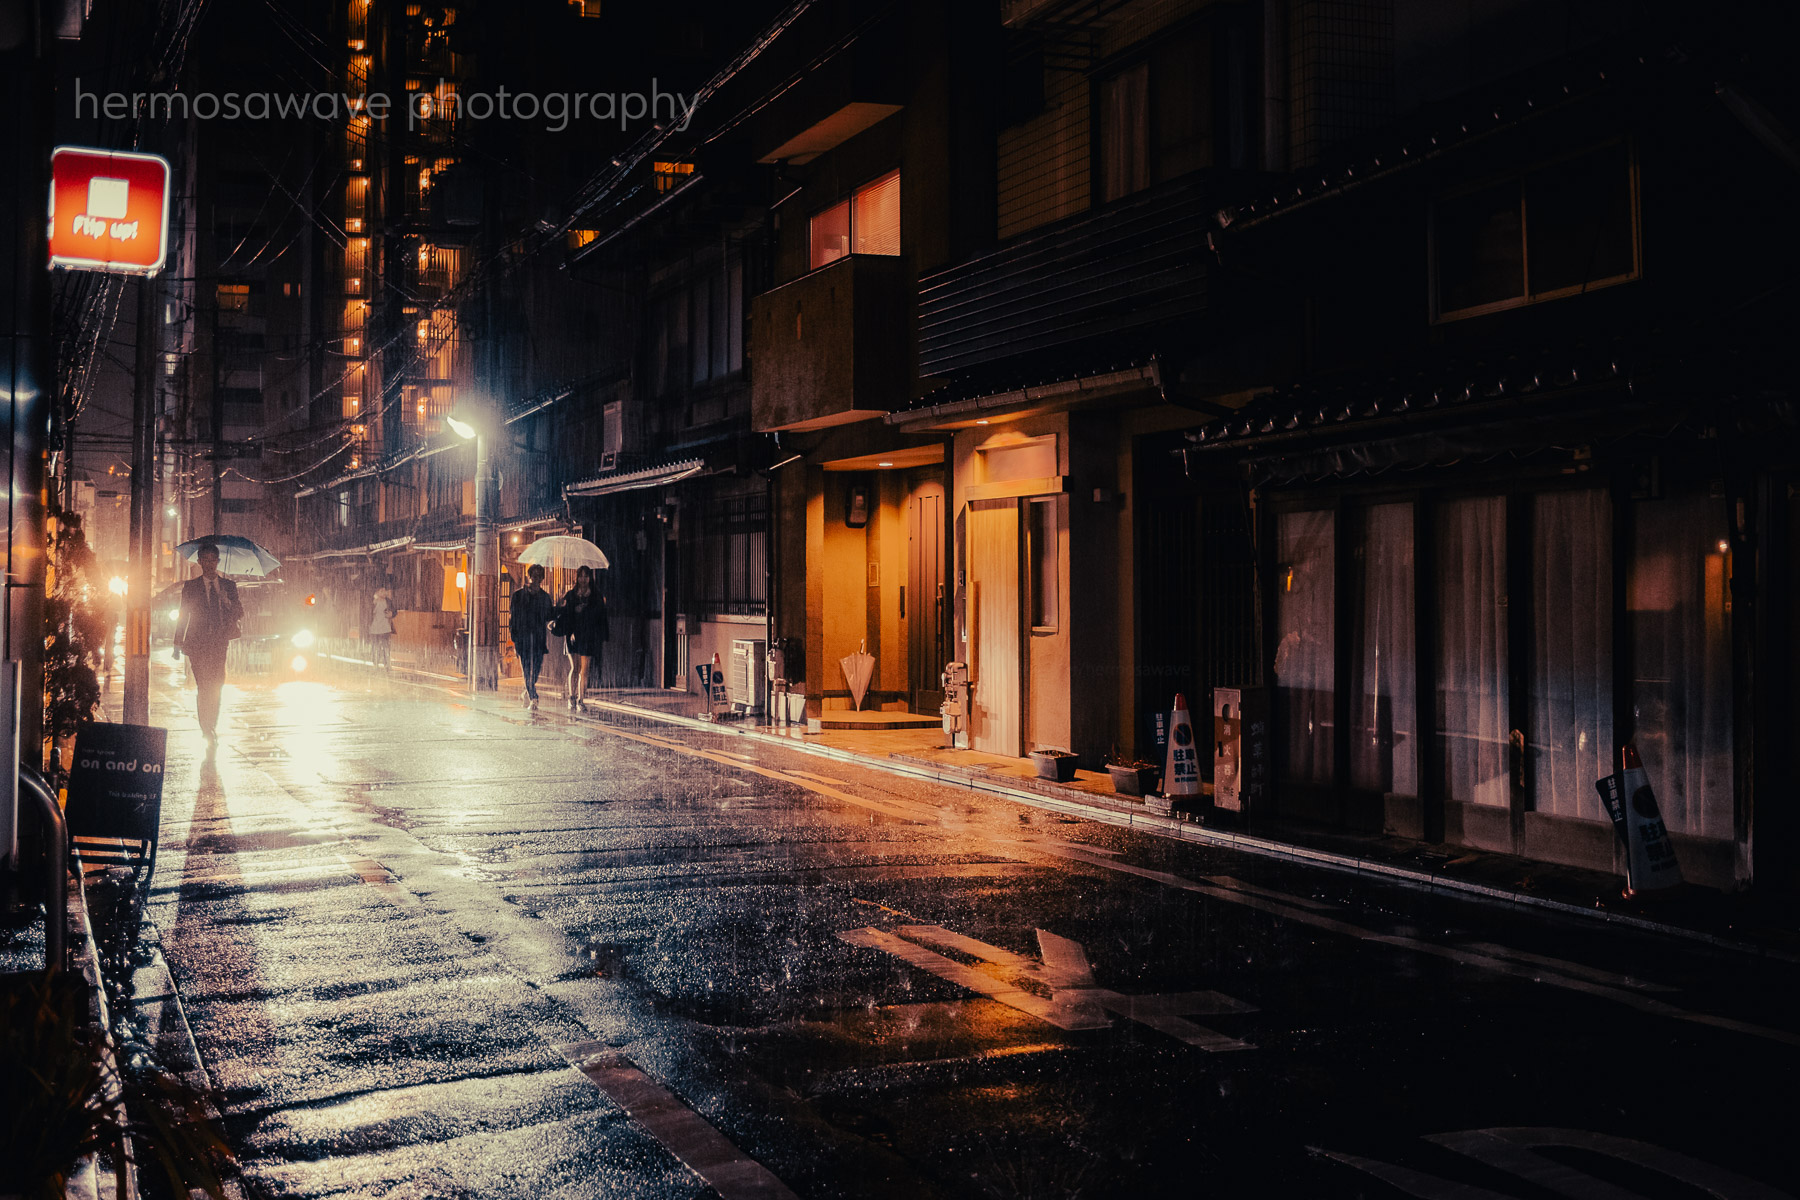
x=211 y=617
x=581 y=618
x=528 y=624
x=381 y=628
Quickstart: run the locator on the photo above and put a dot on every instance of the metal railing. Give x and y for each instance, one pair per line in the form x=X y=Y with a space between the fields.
x=56 y=895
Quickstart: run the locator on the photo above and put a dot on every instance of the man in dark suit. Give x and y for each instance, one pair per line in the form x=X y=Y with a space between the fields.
x=210 y=616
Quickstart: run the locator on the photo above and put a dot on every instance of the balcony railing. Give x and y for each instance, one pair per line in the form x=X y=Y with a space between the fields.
x=1131 y=265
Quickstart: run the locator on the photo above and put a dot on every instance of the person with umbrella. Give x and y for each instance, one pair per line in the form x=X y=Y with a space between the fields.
x=210 y=619
x=581 y=618
x=381 y=628
x=532 y=609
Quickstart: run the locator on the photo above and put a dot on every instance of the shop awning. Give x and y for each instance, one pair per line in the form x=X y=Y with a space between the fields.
x=629 y=481
x=355 y=551
x=972 y=405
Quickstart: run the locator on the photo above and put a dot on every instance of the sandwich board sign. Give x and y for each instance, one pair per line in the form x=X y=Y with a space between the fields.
x=109 y=210
x=116 y=781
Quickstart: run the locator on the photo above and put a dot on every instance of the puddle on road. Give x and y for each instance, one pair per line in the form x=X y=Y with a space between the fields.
x=602 y=960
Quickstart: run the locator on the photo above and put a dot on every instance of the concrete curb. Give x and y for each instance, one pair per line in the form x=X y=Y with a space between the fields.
x=1180 y=830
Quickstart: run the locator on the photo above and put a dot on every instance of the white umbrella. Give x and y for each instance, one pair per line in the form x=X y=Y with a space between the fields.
x=237 y=555
x=859 y=668
x=562 y=552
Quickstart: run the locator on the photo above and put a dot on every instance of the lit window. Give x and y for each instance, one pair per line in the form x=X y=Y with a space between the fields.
x=670 y=175
x=875 y=219
x=234 y=297
x=831 y=234
x=867 y=223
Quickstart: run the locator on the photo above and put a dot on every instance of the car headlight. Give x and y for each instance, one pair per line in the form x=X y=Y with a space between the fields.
x=303 y=639
x=299 y=663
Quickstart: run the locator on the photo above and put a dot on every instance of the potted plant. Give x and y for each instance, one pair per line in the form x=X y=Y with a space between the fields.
x=1055 y=764
x=1131 y=776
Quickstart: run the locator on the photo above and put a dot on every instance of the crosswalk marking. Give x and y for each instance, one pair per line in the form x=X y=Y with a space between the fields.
x=1075 y=1001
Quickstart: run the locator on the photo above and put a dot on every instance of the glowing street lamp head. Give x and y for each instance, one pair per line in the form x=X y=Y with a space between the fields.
x=463 y=429
x=117 y=585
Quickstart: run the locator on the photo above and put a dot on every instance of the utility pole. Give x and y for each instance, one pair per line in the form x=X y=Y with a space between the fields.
x=143 y=498
x=484 y=595
x=27 y=381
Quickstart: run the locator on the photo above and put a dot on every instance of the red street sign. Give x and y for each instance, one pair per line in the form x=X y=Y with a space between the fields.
x=109 y=210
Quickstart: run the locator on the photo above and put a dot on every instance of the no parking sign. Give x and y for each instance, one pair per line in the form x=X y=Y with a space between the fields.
x=712 y=687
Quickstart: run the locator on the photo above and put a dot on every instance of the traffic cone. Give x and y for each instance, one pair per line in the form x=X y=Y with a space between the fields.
x=1181 y=770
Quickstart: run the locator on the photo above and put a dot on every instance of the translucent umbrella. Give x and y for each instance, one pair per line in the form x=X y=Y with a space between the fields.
x=562 y=552
x=859 y=668
x=237 y=555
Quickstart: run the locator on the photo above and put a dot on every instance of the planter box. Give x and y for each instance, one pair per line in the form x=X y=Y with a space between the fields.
x=1054 y=764
x=1132 y=781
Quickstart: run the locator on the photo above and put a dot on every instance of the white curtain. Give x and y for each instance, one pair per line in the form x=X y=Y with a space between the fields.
x=1384 y=713
x=1681 y=648
x=1125 y=133
x=1473 y=692
x=1571 y=731
x=1304 y=663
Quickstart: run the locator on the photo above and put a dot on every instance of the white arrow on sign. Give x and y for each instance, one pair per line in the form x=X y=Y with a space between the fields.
x=1075 y=1000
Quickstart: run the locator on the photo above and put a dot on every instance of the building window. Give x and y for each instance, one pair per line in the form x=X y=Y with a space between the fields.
x=670 y=175
x=875 y=216
x=1125 y=133
x=1384 y=753
x=1679 y=606
x=1563 y=229
x=1473 y=673
x=866 y=223
x=724 y=555
x=697 y=333
x=1189 y=103
x=233 y=297
x=1041 y=549
x=1305 y=655
x=1570 y=727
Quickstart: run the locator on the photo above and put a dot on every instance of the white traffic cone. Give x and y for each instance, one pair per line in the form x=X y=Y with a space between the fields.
x=1181 y=770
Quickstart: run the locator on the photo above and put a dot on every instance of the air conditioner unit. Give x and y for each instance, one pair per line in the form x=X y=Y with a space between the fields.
x=747 y=677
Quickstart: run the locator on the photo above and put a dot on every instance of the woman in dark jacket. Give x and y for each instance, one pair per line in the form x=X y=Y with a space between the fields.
x=581 y=618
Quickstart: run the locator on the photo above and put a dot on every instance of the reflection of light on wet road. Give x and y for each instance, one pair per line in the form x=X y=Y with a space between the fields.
x=305 y=710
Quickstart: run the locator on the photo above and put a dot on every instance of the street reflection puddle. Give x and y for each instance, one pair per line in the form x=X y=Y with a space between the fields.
x=601 y=960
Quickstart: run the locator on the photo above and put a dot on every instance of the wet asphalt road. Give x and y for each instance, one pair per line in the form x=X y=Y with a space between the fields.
x=434 y=951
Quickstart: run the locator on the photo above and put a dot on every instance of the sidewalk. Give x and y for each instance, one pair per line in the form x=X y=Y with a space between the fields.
x=1738 y=922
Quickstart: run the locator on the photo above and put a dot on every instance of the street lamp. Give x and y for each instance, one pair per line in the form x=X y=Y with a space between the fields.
x=482 y=597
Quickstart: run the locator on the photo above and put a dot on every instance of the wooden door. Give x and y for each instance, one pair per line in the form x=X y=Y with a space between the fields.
x=922 y=602
x=996 y=662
